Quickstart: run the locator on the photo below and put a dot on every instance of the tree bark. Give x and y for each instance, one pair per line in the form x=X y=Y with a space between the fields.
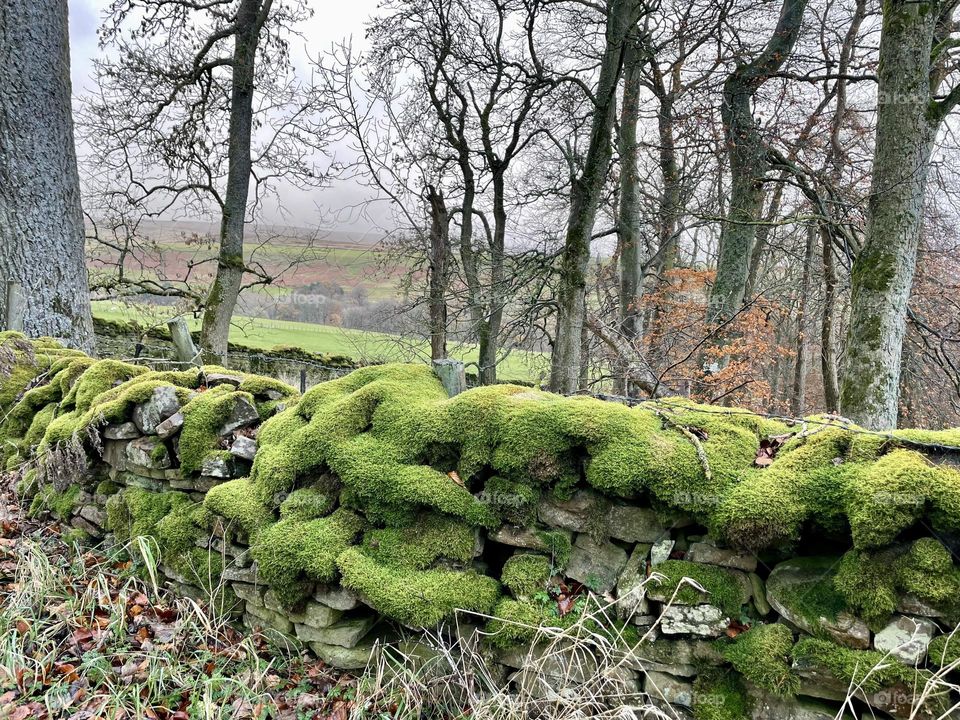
x=798 y=406
x=628 y=211
x=622 y=15
x=749 y=164
x=41 y=221
x=908 y=117
x=222 y=298
x=439 y=261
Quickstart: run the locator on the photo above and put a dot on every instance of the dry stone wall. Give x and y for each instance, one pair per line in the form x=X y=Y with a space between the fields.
x=739 y=567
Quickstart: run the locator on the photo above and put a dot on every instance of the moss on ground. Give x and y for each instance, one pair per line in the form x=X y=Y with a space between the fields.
x=762 y=656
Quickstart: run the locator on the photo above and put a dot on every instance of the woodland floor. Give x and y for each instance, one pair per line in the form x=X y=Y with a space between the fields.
x=83 y=637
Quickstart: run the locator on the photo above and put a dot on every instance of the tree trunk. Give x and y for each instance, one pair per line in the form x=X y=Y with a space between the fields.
x=439 y=261
x=491 y=336
x=828 y=336
x=798 y=406
x=225 y=290
x=748 y=163
x=628 y=212
x=41 y=221
x=585 y=191
x=907 y=121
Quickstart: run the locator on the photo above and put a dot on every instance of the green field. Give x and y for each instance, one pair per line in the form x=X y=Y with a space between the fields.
x=357 y=344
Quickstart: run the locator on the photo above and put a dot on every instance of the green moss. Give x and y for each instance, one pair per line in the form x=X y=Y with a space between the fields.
x=526 y=574
x=720 y=697
x=39 y=425
x=308 y=504
x=872 y=583
x=203 y=417
x=290 y=552
x=417 y=598
x=558 y=544
x=723 y=589
x=868 y=669
x=944 y=650
x=76 y=536
x=106 y=488
x=237 y=502
x=762 y=656
x=60 y=504
x=512 y=501
x=96 y=379
x=818 y=598
x=419 y=545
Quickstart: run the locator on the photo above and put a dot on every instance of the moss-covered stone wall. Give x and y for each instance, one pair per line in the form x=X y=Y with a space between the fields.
x=752 y=568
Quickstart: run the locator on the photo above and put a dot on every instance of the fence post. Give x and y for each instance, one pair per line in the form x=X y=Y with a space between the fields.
x=452 y=375
x=180 y=334
x=15 y=306
x=303 y=380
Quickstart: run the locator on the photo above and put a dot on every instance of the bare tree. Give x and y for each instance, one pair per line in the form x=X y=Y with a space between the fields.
x=200 y=102
x=749 y=163
x=586 y=184
x=41 y=222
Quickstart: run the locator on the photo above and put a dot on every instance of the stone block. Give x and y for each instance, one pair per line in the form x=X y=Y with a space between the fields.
x=336 y=597
x=635 y=524
x=596 y=564
x=217 y=466
x=242 y=574
x=790 y=579
x=148 y=452
x=697 y=620
x=171 y=426
x=244 y=448
x=709 y=554
x=249 y=593
x=527 y=538
x=121 y=431
x=94 y=514
x=660 y=552
x=162 y=404
x=581 y=513
x=663 y=688
x=906 y=638
x=631 y=591
x=243 y=414
x=345 y=633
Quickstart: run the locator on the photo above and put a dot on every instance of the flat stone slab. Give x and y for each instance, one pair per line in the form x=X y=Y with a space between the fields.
x=346 y=633
x=162 y=404
x=596 y=565
x=668 y=689
x=123 y=431
x=783 y=583
x=696 y=620
x=148 y=452
x=243 y=414
x=709 y=554
x=906 y=638
x=635 y=524
x=581 y=513
x=244 y=448
x=336 y=597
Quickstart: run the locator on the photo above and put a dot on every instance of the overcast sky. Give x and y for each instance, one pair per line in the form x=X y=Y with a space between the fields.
x=332 y=22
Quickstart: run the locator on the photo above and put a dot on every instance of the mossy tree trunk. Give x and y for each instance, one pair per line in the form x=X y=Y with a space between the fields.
x=223 y=295
x=41 y=221
x=912 y=66
x=749 y=164
x=586 y=186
